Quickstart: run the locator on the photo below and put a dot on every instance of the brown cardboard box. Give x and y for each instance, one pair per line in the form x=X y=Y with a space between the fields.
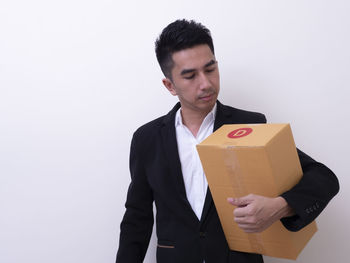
x=259 y=159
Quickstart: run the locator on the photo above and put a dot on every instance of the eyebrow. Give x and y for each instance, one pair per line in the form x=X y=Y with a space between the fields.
x=186 y=71
x=211 y=62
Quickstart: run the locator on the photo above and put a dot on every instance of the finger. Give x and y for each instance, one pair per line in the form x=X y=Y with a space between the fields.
x=241 y=211
x=232 y=201
x=241 y=201
x=246 y=200
x=242 y=220
x=248 y=228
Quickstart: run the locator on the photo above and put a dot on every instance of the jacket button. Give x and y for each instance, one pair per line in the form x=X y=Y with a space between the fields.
x=202 y=234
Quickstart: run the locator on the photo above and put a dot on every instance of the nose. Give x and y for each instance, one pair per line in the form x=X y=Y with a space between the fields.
x=204 y=82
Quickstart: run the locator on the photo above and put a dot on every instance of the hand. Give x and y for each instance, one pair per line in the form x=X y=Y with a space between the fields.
x=255 y=213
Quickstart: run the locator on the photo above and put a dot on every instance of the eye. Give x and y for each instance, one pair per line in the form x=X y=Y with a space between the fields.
x=189 y=76
x=210 y=70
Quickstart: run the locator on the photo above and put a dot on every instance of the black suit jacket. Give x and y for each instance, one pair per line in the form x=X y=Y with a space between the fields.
x=156 y=176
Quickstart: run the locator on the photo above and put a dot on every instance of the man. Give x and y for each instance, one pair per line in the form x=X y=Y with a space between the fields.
x=165 y=167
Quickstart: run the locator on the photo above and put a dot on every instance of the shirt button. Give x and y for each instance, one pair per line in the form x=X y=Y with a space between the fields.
x=202 y=234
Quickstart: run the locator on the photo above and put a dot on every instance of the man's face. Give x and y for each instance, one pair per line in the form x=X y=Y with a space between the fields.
x=195 y=79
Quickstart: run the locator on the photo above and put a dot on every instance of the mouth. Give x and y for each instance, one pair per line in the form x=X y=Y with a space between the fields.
x=206 y=97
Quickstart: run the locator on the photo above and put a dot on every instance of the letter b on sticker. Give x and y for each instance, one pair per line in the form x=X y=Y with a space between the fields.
x=239 y=133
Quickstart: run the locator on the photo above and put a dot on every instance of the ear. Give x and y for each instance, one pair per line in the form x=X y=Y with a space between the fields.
x=170 y=86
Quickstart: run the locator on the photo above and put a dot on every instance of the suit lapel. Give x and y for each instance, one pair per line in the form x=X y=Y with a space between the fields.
x=168 y=134
x=223 y=116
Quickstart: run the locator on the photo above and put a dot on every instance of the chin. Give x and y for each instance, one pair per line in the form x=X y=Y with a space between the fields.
x=207 y=106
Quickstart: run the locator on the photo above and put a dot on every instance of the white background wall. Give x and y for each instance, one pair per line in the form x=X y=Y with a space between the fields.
x=78 y=77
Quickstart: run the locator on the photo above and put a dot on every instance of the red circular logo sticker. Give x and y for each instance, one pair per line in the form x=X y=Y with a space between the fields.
x=239 y=133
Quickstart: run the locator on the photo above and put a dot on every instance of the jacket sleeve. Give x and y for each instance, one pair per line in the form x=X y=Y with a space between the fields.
x=310 y=196
x=137 y=224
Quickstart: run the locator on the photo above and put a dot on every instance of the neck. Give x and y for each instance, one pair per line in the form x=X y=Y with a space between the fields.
x=193 y=120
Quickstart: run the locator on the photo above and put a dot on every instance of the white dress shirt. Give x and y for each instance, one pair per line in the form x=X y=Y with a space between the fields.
x=194 y=178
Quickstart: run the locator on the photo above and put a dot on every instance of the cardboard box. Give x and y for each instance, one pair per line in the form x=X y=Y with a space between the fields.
x=259 y=159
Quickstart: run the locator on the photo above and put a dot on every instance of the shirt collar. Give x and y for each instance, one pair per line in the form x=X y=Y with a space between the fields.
x=209 y=118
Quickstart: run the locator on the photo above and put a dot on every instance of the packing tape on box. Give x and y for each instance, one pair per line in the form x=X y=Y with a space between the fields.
x=236 y=181
x=232 y=167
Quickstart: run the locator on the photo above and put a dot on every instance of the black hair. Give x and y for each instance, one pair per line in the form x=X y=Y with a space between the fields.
x=179 y=35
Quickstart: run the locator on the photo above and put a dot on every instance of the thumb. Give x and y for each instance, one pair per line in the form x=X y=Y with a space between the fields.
x=239 y=201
